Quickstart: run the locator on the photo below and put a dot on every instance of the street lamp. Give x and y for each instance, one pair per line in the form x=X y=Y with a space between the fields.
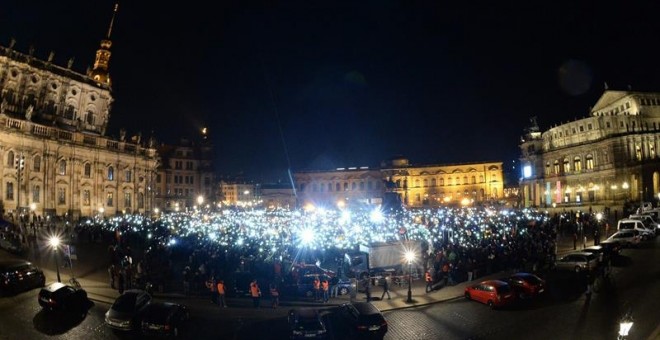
x=410 y=257
x=200 y=200
x=624 y=326
x=55 y=242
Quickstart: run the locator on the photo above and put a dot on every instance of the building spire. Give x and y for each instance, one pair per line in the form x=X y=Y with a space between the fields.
x=99 y=73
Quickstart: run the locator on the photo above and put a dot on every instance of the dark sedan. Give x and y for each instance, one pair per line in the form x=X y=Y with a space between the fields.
x=164 y=318
x=364 y=320
x=125 y=311
x=20 y=275
x=60 y=297
x=526 y=285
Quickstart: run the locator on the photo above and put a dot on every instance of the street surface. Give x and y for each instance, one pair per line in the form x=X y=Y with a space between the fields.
x=565 y=313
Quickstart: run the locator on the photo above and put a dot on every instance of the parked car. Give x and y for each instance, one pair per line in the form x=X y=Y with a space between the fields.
x=526 y=285
x=598 y=251
x=494 y=293
x=612 y=247
x=164 y=318
x=11 y=244
x=60 y=297
x=363 y=320
x=305 y=323
x=632 y=224
x=125 y=312
x=578 y=261
x=20 y=275
x=627 y=238
x=649 y=221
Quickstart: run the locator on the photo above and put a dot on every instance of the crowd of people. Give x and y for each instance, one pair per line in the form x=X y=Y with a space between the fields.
x=200 y=249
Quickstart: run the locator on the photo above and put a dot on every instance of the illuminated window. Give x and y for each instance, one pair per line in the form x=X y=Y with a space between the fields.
x=556 y=167
x=109 y=199
x=433 y=182
x=474 y=180
x=128 y=176
x=481 y=179
x=36 y=163
x=547 y=168
x=140 y=200
x=417 y=183
x=62 y=167
x=426 y=182
x=61 y=196
x=577 y=164
x=442 y=181
x=85 y=197
x=111 y=174
x=567 y=165
x=88 y=170
x=567 y=198
x=36 y=194
x=9 y=191
x=127 y=199
x=10 y=158
x=590 y=162
x=638 y=152
x=465 y=180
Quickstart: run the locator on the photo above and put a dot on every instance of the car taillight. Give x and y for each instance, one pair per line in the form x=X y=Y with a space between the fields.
x=360 y=327
x=384 y=323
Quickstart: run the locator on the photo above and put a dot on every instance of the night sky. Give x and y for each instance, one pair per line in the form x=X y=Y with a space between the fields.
x=338 y=84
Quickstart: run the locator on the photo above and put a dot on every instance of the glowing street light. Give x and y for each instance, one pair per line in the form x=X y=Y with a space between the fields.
x=624 y=326
x=410 y=258
x=200 y=200
x=54 y=242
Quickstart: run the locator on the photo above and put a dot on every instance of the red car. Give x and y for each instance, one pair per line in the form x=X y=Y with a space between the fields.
x=527 y=285
x=494 y=293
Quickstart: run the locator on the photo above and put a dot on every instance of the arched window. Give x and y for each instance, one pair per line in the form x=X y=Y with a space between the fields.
x=547 y=168
x=590 y=162
x=36 y=194
x=337 y=187
x=567 y=165
x=88 y=170
x=417 y=183
x=465 y=180
x=36 y=163
x=111 y=173
x=140 y=200
x=577 y=164
x=433 y=183
x=90 y=118
x=361 y=186
x=474 y=180
x=556 y=167
x=62 y=167
x=426 y=182
x=353 y=186
x=10 y=159
x=442 y=181
x=330 y=186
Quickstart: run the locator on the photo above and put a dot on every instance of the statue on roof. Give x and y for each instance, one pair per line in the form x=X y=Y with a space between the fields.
x=28 y=112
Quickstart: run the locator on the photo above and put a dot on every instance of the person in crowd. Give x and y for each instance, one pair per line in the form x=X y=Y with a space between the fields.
x=325 y=286
x=213 y=289
x=317 y=288
x=274 y=296
x=220 y=287
x=386 y=288
x=429 y=280
x=255 y=293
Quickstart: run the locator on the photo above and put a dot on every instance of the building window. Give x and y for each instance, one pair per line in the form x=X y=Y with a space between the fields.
x=88 y=170
x=578 y=198
x=140 y=200
x=547 y=168
x=315 y=187
x=638 y=152
x=36 y=163
x=85 y=197
x=337 y=187
x=608 y=125
x=651 y=150
x=109 y=199
x=442 y=181
x=302 y=186
x=62 y=167
x=111 y=173
x=353 y=186
x=433 y=183
x=567 y=165
x=581 y=128
x=589 y=126
x=61 y=196
x=189 y=165
x=361 y=186
x=474 y=180
x=577 y=164
x=465 y=180
x=370 y=186
x=417 y=183
x=567 y=198
x=322 y=187
x=127 y=199
x=345 y=186
x=426 y=182
x=556 y=167
x=590 y=162
x=36 y=194
x=128 y=176
x=178 y=165
x=10 y=158
x=9 y=192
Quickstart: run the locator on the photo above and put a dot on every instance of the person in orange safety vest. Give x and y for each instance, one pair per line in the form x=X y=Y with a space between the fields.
x=221 y=294
x=255 y=293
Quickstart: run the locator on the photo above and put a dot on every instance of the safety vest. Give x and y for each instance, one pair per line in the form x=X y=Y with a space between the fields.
x=221 y=288
x=254 y=290
x=325 y=285
x=316 y=284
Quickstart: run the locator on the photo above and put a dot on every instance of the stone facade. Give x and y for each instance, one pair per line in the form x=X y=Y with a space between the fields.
x=54 y=158
x=414 y=185
x=597 y=162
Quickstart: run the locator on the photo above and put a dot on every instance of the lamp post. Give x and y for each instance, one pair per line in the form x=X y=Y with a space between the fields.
x=410 y=257
x=55 y=242
x=625 y=325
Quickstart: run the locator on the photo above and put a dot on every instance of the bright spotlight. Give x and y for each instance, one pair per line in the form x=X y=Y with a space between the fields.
x=410 y=256
x=307 y=236
x=376 y=216
x=54 y=241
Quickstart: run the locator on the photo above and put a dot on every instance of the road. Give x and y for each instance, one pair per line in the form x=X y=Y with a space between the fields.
x=561 y=315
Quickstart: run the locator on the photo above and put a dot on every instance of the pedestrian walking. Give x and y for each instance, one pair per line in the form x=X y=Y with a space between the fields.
x=325 y=285
x=274 y=296
x=220 y=287
x=317 y=288
x=111 y=273
x=255 y=293
x=429 y=280
x=386 y=288
x=213 y=289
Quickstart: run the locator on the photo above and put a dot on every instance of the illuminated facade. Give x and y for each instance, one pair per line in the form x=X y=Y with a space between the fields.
x=598 y=162
x=273 y=196
x=185 y=177
x=54 y=156
x=240 y=194
x=415 y=185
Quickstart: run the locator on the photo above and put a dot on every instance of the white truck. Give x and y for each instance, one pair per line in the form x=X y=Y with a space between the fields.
x=380 y=258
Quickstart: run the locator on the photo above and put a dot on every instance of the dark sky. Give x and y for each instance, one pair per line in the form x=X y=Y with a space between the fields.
x=349 y=83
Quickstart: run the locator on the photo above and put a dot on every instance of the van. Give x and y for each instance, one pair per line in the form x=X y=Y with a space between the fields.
x=632 y=224
x=648 y=220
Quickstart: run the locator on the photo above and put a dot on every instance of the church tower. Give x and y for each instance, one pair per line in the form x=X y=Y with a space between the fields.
x=100 y=71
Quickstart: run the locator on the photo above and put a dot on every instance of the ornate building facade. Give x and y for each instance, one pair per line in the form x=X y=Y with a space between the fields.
x=185 y=176
x=414 y=185
x=54 y=156
x=597 y=162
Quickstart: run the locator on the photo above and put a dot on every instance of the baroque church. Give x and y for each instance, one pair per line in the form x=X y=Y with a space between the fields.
x=55 y=157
